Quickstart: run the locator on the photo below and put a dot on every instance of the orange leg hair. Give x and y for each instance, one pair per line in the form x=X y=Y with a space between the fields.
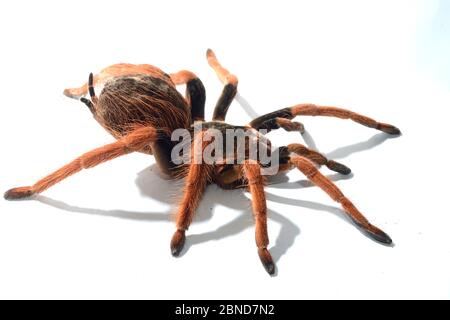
x=224 y=75
x=314 y=110
x=182 y=77
x=289 y=125
x=199 y=174
x=135 y=141
x=309 y=109
x=255 y=180
x=230 y=89
x=311 y=172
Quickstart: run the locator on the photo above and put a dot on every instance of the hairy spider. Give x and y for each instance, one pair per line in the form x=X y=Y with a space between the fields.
x=141 y=107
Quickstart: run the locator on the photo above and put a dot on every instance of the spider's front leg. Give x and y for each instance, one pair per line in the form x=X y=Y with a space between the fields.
x=196 y=180
x=274 y=120
x=311 y=172
x=315 y=157
x=137 y=140
x=255 y=181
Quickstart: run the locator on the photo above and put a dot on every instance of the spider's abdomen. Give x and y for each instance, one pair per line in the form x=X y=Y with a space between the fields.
x=133 y=100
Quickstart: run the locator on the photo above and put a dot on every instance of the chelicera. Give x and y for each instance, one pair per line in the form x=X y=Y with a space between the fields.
x=140 y=107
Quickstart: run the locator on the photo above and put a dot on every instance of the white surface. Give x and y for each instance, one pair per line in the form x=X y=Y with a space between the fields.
x=105 y=233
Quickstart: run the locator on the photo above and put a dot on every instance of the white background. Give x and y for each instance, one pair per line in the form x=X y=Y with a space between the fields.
x=105 y=232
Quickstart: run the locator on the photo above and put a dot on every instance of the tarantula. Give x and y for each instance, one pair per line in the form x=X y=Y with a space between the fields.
x=140 y=107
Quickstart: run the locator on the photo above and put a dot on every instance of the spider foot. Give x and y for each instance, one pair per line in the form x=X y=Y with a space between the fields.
x=18 y=193
x=377 y=235
x=266 y=260
x=177 y=243
x=338 y=167
x=390 y=129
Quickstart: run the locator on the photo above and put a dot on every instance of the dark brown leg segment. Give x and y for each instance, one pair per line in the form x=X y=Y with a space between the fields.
x=277 y=123
x=90 y=103
x=255 y=180
x=229 y=91
x=161 y=149
x=224 y=102
x=195 y=92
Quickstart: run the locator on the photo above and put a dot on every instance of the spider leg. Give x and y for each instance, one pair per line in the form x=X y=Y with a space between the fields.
x=311 y=172
x=231 y=176
x=91 y=89
x=317 y=158
x=255 y=180
x=277 y=123
x=229 y=91
x=314 y=110
x=199 y=174
x=94 y=99
x=134 y=141
x=195 y=93
x=88 y=103
x=289 y=125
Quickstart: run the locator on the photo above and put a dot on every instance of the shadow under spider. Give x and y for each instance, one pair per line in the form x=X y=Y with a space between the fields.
x=233 y=199
x=148 y=178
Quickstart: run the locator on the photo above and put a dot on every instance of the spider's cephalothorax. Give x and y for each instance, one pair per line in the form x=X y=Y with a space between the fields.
x=141 y=107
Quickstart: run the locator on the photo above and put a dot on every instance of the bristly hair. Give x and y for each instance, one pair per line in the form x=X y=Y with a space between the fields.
x=140 y=100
